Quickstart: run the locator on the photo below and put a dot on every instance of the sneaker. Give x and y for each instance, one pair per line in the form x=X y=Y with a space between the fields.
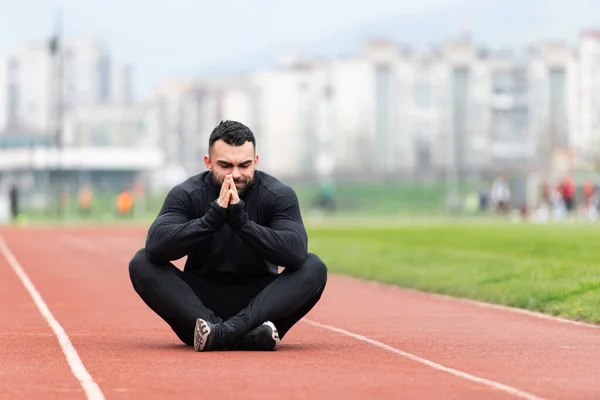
x=209 y=336
x=262 y=338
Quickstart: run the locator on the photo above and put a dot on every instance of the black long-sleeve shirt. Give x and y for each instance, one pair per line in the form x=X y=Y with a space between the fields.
x=251 y=238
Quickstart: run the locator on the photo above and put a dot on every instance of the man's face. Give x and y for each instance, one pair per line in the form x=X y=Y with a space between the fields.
x=239 y=161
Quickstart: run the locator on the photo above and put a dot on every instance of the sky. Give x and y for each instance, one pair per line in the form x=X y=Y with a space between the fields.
x=165 y=39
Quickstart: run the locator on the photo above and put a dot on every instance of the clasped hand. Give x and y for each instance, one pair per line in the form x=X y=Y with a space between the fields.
x=229 y=193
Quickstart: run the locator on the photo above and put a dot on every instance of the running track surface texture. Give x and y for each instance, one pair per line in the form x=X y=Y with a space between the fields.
x=71 y=327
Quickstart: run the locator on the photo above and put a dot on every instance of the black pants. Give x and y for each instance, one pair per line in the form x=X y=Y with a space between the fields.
x=180 y=298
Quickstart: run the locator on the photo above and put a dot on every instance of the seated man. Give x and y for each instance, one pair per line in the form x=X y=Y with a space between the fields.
x=236 y=225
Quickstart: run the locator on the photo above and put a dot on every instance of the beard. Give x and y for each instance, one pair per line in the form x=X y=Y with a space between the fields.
x=246 y=182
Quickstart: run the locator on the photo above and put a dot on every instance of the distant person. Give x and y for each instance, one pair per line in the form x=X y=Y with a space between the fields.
x=483 y=200
x=559 y=208
x=236 y=225
x=13 y=196
x=125 y=203
x=500 y=195
x=546 y=193
x=588 y=210
x=568 y=193
x=84 y=201
x=589 y=193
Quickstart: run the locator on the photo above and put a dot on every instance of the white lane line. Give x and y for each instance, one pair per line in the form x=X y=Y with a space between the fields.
x=91 y=389
x=476 y=303
x=498 y=386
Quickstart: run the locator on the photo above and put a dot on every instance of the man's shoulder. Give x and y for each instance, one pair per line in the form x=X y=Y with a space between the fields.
x=274 y=185
x=192 y=184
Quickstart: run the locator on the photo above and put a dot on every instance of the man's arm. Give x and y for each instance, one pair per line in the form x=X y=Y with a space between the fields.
x=284 y=241
x=175 y=232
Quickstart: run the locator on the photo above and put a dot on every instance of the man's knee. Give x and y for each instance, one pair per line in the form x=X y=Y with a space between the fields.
x=140 y=268
x=315 y=270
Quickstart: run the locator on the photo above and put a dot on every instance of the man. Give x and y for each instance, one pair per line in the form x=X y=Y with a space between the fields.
x=500 y=194
x=236 y=225
x=14 y=201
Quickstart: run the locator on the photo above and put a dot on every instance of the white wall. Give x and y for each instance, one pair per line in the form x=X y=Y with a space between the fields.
x=589 y=94
x=3 y=94
x=236 y=105
x=31 y=72
x=539 y=101
x=279 y=136
x=121 y=90
x=83 y=79
x=578 y=140
x=353 y=114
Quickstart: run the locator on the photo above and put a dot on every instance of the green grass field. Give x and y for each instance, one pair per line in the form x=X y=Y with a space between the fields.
x=381 y=198
x=552 y=268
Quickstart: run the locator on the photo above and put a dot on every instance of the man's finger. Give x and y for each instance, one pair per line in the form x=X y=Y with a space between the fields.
x=223 y=192
x=227 y=198
x=234 y=197
x=225 y=186
x=233 y=186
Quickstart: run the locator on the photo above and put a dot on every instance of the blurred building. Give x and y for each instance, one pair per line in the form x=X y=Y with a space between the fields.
x=551 y=70
x=186 y=113
x=394 y=112
x=465 y=131
x=112 y=125
x=509 y=141
x=29 y=98
x=283 y=114
x=4 y=111
x=26 y=89
x=457 y=111
x=108 y=142
x=454 y=112
x=586 y=124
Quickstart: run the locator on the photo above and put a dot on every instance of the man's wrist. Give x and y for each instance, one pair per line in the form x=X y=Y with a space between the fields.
x=237 y=215
x=216 y=215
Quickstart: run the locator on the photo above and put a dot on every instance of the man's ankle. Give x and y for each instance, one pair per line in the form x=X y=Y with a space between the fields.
x=232 y=333
x=230 y=328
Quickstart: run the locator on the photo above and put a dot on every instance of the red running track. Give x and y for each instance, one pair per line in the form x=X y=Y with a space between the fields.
x=363 y=340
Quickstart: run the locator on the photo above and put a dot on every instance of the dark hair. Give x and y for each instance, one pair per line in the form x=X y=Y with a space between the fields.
x=231 y=132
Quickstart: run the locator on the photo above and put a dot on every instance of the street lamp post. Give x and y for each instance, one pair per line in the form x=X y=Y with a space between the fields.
x=325 y=159
x=56 y=47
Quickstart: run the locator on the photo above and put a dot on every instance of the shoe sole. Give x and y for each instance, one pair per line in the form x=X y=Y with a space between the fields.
x=201 y=333
x=274 y=334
